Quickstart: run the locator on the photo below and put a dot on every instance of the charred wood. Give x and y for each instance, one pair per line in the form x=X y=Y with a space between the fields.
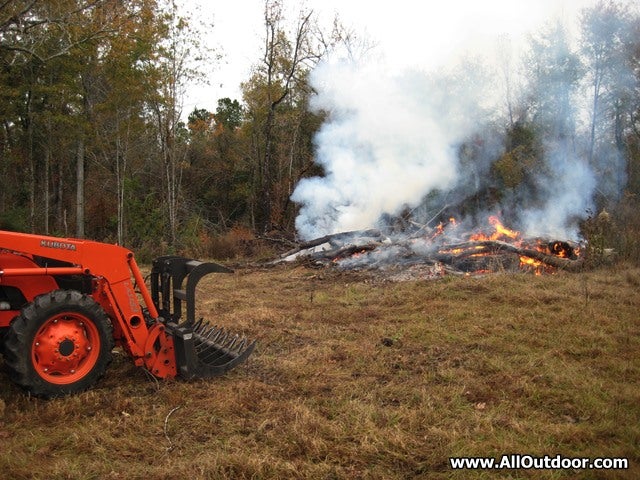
x=334 y=238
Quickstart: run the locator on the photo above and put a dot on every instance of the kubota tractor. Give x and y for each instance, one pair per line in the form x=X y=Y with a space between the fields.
x=65 y=304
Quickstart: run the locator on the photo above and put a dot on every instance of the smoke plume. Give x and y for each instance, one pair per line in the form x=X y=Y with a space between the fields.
x=388 y=140
x=392 y=143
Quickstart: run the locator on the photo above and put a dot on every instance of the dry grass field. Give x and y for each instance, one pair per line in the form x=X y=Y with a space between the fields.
x=355 y=377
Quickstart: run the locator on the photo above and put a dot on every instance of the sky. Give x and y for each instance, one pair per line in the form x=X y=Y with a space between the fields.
x=407 y=34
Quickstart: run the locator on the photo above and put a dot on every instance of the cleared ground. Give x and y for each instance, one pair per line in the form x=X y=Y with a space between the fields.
x=356 y=377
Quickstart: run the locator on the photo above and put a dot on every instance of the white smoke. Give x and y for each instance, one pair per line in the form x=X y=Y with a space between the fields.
x=388 y=140
x=569 y=196
x=391 y=137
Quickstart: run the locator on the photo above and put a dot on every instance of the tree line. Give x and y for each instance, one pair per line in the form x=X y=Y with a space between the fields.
x=93 y=142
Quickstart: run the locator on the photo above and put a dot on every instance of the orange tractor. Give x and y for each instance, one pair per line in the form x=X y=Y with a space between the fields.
x=66 y=303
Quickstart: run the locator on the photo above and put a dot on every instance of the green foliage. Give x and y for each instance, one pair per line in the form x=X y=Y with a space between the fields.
x=601 y=234
x=509 y=169
x=614 y=236
x=15 y=220
x=522 y=135
x=627 y=226
x=146 y=220
x=218 y=174
x=229 y=113
x=522 y=159
x=633 y=162
x=199 y=115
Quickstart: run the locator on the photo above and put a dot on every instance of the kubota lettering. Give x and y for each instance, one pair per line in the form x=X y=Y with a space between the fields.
x=58 y=245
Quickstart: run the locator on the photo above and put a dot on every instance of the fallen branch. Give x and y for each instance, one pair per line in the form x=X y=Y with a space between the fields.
x=166 y=422
x=345 y=251
x=331 y=238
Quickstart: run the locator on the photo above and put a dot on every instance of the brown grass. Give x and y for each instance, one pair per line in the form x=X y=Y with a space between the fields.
x=359 y=378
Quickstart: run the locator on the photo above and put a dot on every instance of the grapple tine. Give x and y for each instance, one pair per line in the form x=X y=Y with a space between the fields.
x=217 y=334
x=216 y=357
x=232 y=342
x=208 y=333
x=221 y=341
x=198 y=325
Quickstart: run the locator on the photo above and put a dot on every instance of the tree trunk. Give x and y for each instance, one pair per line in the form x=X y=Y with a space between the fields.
x=265 y=175
x=594 y=114
x=60 y=200
x=31 y=167
x=121 y=166
x=79 y=188
x=45 y=189
x=172 y=170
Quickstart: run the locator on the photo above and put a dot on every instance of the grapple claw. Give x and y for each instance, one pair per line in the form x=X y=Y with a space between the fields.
x=202 y=350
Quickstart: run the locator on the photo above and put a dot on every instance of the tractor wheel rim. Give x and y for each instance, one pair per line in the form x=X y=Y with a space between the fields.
x=65 y=348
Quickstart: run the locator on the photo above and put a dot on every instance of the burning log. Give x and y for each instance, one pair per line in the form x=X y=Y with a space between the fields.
x=446 y=254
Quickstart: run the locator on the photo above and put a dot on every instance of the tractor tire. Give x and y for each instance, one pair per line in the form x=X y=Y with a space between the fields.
x=60 y=344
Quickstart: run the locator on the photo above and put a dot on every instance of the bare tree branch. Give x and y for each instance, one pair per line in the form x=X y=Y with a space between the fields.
x=15 y=18
x=20 y=25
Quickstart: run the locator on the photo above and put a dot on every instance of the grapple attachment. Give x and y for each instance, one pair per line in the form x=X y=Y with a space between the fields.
x=201 y=350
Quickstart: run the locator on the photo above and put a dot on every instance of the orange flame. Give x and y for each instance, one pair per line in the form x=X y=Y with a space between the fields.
x=499 y=233
x=507 y=235
x=439 y=230
x=536 y=265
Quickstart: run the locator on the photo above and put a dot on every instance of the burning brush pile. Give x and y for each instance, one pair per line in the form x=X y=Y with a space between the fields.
x=428 y=252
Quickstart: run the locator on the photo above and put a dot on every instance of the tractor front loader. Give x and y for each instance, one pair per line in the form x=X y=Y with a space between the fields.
x=65 y=304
